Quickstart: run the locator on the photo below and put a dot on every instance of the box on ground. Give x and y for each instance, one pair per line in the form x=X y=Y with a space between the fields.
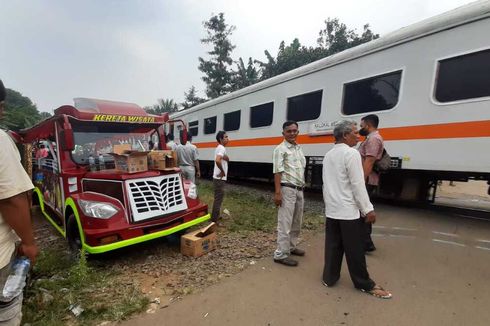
x=199 y=242
x=162 y=160
x=131 y=162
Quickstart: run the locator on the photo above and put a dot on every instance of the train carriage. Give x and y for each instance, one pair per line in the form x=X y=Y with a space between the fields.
x=429 y=83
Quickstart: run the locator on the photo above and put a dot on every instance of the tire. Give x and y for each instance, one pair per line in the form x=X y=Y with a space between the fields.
x=73 y=235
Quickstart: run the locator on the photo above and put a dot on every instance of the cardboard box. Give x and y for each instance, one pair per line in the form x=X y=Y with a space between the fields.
x=131 y=162
x=162 y=160
x=121 y=149
x=199 y=242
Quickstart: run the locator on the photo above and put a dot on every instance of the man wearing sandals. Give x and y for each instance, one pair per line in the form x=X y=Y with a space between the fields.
x=345 y=194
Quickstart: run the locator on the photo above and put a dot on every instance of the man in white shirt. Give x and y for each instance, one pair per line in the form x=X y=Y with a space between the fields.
x=171 y=145
x=187 y=156
x=15 y=216
x=345 y=194
x=220 y=174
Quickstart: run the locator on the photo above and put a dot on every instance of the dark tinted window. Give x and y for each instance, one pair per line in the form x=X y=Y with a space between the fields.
x=463 y=77
x=232 y=121
x=372 y=94
x=194 y=128
x=210 y=125
x=305 y=107
x=261 y=115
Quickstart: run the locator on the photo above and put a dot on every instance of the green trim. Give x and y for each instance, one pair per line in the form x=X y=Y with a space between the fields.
x=70 y=202
x=41 y=204
x=143 y=238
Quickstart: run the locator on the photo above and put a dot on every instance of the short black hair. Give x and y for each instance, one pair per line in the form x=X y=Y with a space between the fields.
x=3 y=92
x=220 y=135
x=189 y=136
x=288 y=123
x=371 y=119
x=170 y=136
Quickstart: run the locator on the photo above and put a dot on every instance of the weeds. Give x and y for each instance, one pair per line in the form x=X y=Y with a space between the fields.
x=60 y=285
x=251 y=211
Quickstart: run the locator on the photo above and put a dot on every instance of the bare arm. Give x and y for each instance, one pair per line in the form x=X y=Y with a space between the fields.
x=16 y=213
x=367 y=166
x=226 y=158
x=198 y=169
x=277 y=188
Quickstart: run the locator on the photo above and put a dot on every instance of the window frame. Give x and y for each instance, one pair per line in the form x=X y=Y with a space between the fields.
x=401 y=69
x=215 y=125
x=239 y=121
x=434 y=79
x=250 y=117
x=194 y=127
x=321 y=90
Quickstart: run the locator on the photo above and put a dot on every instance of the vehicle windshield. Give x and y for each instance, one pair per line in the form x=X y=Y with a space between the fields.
x=95 y=139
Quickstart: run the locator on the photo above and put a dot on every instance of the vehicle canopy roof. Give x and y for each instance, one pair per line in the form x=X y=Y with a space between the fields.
x=93 y=110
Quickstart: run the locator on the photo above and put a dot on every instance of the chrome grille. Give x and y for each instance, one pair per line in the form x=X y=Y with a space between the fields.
x=150 y=197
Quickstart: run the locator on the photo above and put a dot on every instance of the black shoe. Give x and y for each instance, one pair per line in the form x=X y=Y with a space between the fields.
x=287 y=261
x=298 y=252
x=370 y=248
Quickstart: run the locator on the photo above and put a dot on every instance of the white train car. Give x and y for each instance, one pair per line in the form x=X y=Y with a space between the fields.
x=429 y=83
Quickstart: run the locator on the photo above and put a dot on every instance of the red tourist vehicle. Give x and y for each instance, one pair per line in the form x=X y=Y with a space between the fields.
x=90 y=203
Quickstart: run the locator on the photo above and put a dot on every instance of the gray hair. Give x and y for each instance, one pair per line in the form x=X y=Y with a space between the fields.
x=343 y=127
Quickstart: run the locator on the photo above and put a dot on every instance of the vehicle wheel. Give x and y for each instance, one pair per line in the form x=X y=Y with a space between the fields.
x=73 y=235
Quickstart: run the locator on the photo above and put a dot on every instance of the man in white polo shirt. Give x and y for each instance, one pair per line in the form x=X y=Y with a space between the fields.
x=15 y=217
x=345 y=194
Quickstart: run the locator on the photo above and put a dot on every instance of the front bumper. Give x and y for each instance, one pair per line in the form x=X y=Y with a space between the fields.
x=124 y=243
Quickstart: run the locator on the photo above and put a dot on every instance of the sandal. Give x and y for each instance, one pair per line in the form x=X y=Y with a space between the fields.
x=377 y=291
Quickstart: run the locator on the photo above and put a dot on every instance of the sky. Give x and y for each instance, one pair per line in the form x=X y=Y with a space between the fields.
x=141 y=50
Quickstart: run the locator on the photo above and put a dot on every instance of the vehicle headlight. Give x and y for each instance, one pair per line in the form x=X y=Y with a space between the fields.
x=97 y=209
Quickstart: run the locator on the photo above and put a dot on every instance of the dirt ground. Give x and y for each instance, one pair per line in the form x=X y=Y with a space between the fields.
x=436 y=265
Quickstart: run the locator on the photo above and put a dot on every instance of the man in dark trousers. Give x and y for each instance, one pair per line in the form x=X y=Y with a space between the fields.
x=371 y=150
x=345 y=194
x=220 y=174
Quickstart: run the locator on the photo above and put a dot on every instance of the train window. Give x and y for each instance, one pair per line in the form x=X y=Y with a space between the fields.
x=377 y=93
x=210 y=125
x=261 y=115
x=232 y=121
x=194 y=128
x=305 y=107
x=463 y=77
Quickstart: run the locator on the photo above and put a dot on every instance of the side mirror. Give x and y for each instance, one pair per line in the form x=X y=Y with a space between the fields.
x=67 y=141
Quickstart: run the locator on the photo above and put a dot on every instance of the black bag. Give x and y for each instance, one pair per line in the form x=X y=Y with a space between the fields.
x=384 y=163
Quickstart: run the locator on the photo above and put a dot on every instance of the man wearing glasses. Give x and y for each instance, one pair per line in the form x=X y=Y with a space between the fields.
x=289 y=181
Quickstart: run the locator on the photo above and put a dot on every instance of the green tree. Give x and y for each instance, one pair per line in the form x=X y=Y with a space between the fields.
x=162 y=106
x=334 y=38
x=44 y=115
x=20 y=112
x=245 y=76
x=217 y=70
x=191 y=99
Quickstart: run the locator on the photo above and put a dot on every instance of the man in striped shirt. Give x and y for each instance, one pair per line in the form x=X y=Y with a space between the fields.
x=289 y=180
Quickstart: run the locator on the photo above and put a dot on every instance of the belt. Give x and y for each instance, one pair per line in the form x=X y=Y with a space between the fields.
x=292 y=186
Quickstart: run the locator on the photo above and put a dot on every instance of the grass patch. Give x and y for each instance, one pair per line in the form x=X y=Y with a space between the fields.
x=251 y=211
x=60 y=283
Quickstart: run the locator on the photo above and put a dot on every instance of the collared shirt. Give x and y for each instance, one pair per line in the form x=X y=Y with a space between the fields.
x=289 y=160
x=344 y=190
x=372 y=146
x=13 y=181
x=187 y=154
